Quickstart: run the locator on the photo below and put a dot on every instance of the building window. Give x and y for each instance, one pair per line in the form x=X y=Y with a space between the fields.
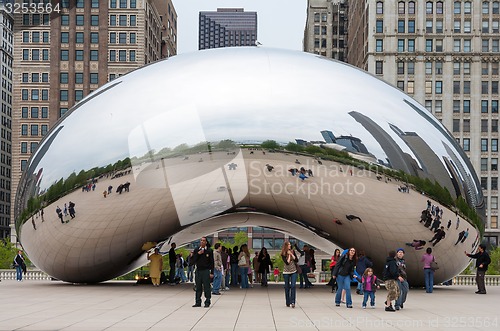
x=484 y=164
x=428 y=71
x=439 y=87
x=457 y=7
x=78 y=95
x=484 y=125
x=112 y=37
x=466 y=125
x=62 y=111
x=78 y=77
x=34 y=130
x=132 y=56
x=112 y=55
x=33 y=146
x=428 y=87
x=401 y=45
x=24 y=148
x=63 y=77
x=467 y=45
x=123 y=20
x=63 y=95
x=411 y=45
x=428 y=105
x=428 y=45
x=401 y=26
x=411 y=7
x=94 y=20
x=456 y=106
x=494 y=183
x=112 y=4
x=439 y=67
x=410 y=87
x=411 y=67
x=123 y=3
x=94 y=37
x=494 y=125
x=484 y=87
x=439 y=106
x=79 y=38
x=401 y=85
x=494 y=106
x=64 y=55
x=380 y=7
x=400 y=65
x=456 y=125
x=79 y=55
x=466 y=87
x=112 y=20
x=64 y=37
x=122 y=39
x=24 y=112
x=94 y=55
x=94 y=78
x=80 y=3
x=122 y=55
x=486 y=7
x=494 y=145
x=439 y=7
x=94 y=4
x=379 y=45
x=44 y=129
x=429 y=7
x=45 y=94
x=80 y=20
x=132 y=38
x=466 y=144
x=484 y=145
x=24 y=129
x=428 y=26
x=379 y=67
x=45 y=112
x=401 y=7
x=379 y=26
x=495 y=8
x=64 y=20
x=133 y=21
x=484 y=106
x=466 y=106
x=35 y=94
x=411 y=26
x=467 y=7
x=494 y=164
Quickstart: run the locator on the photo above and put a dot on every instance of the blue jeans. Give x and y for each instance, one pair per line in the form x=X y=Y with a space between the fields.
x=367 y=294
x=19 y=273
x=217 y=281
x=429 y=279
x=344 y=283
x=360 y=288
x=404 y=287
x=234 y=274
x=290 y=280
x=304 y=281
x=181 y=274
x=244 y=277
x=190 y=272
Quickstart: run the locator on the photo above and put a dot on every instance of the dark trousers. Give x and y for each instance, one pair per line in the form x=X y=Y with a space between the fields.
x=234 y=274
x=480 y=280
x=171 y=275
x=202 y=283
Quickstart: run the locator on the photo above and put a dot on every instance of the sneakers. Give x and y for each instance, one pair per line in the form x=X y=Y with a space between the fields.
x=397 y=307
x=337 y=305
x=372 y=307
x=196 y=305
x=349 y=306
x=364 y=307
x=389 y=308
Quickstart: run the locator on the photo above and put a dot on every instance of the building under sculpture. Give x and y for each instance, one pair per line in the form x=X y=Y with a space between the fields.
x=172 y=149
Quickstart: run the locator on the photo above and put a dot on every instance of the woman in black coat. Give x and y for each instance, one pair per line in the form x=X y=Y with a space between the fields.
x=265 y=263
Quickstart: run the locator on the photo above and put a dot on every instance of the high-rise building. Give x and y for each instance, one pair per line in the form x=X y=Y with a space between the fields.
x=445 y=54
x=6 y=61
x=227 y=27
x=61 y=57
x=326 y=28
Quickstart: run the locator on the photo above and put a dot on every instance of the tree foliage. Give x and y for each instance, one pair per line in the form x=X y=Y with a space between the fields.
x=270 y=144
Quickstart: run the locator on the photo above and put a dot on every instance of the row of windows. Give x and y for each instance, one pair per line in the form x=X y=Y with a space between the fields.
x=122 y=20
x=459 y=68
x=24 y=147
x=437 y=26
x=80 y=3
x=64 y=78
x=493 y=164
x=35 y=112
x=34 y=129
x=323 y=17
x=35 y=77
x=33 y=54
x=485 y=125
x=122 y=56
x=36 y=19
x=36 y=37
x=79 y=55
x=430 y=7
x=123 y=3
x=493 y=186
x=80 y=37
x=465 y=107
x=431 y=45
x=35 y=94
x=64 y=95
x=122 y=38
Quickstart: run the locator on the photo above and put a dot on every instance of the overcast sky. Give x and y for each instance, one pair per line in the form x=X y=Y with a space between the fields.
x=280 y=23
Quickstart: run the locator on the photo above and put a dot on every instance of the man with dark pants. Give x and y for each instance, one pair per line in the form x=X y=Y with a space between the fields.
x=172 y=258
x=482 y=262
x=404 y=287
x=204 y=260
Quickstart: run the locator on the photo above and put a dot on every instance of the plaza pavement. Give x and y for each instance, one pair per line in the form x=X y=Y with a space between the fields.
x=114 y=305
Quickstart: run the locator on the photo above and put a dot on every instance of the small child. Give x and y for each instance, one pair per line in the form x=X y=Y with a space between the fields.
x=370 y=285
x=276 y=274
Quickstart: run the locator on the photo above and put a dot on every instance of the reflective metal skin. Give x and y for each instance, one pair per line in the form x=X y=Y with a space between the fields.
x=176 y=131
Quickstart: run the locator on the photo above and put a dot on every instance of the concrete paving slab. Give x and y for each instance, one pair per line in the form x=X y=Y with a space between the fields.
x=45 y=305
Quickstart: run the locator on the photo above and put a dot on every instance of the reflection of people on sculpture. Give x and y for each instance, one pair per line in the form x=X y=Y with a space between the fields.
x=417 y=244
x=353 y=217
x=105 y=193
x=293 y=171
x=126 y=187
x=269 y=167
x=302 y=176
x=71 y=209
x=462 y=236
x=440 y=234
x=33 y=222
x=110 y=189
x=435 y=225
x=59 y=214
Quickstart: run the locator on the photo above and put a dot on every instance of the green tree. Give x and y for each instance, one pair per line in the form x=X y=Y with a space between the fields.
x=293 y=147
x=7 y=253
x=270 y=144
x=494 y=267
x=226 y=144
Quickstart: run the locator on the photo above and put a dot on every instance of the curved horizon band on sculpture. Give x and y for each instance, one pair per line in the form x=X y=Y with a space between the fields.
x=178 y=139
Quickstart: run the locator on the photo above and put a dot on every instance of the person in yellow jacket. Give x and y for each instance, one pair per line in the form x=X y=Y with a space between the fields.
x=155 y=267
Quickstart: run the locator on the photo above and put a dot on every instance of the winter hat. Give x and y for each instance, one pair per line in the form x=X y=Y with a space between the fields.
x=400 y=249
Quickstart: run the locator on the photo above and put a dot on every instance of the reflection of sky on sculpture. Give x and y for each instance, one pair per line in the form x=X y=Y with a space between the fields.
x=268 y=98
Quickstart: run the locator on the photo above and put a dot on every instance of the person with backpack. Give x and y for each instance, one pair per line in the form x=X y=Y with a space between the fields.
x=391 y=274
x=234 y=266
x=180 y=264
x=343 y=273
x=370 y=284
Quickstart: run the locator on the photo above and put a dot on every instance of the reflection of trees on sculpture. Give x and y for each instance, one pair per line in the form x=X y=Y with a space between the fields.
x=65 y=186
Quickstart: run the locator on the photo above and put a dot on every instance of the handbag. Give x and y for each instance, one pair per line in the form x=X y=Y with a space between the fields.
x=242 y=261
x=299 y=269
x=434 y=265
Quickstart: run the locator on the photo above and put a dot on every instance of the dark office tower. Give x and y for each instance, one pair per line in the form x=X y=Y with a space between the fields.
x=227 y=27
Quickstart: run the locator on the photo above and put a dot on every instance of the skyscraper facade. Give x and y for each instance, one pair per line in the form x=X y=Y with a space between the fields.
x=326 y=28
x=446 y=55
x=61 y=57
x=6 y=62
x=227 y=27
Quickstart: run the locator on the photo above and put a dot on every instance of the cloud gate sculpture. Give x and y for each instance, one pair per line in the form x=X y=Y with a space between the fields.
x=237 y=137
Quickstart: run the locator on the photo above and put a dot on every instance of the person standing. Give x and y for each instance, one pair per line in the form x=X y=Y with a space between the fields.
x=304 y=264
x=370 y=285
x=234 y=266
x=264 y=265
x=363 y=263
x=172 y=258
x=482 y=261
x=402 y=281
x=225 y=268
x=155 y=266
x=335 y=258
x=179 y=265
x=217 y=269
x=289 y=272
x=343 y=273
x=244 y=264
x=276 y=274
x=204 y=261
x=391 y=274
x=427 y=259
x=20 y=266
x=190 y=267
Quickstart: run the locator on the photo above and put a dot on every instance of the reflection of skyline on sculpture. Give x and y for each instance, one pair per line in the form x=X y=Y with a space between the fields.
x=185 y=164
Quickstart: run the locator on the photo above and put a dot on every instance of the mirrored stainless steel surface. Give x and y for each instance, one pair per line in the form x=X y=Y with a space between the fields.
x=177 y=144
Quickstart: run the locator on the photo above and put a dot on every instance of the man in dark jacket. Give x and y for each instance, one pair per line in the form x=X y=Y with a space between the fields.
x=391 y=274
x=402 y=281
x=172 y=258
x=363 y=263
x=482 y=262
x=204 y=260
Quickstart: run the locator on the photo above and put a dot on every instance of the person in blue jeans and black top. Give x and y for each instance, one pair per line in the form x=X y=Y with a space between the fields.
x=343 y=273
x=482 y=261
x=289 y=272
